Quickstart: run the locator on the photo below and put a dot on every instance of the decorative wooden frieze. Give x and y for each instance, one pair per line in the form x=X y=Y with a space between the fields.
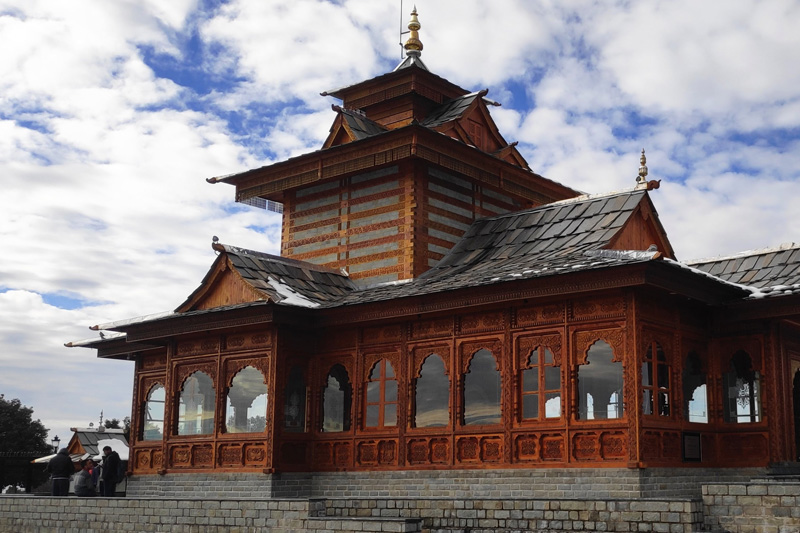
x=537 y=316
x=597 y=308
x=203 y=455
x=482 y=322
x=246 y=341
x=382 y=334
x=428 y=329
x=614 y=337
x=381 y=452
x=479 y=449
x=154 y=362
x=198 y=347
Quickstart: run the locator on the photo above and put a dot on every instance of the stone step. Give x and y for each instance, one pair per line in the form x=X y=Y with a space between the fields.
x=367 y=524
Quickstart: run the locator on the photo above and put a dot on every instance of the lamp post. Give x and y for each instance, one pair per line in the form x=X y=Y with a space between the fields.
x=56 y=441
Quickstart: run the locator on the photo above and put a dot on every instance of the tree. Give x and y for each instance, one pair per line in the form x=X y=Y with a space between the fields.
x=22 y=439
x=19 y=432
x=114 y=423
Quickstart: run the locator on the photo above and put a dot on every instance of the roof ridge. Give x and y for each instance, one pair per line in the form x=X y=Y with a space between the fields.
x=746 y=253
x=236 y=250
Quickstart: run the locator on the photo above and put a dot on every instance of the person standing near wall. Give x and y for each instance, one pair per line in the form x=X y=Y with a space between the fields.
x=60 y=468
x=83 y=480
x=110 y=467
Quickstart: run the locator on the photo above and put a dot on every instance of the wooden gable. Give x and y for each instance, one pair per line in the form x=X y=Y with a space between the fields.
x=222 y=286
x=642 y=230
x=339 y=134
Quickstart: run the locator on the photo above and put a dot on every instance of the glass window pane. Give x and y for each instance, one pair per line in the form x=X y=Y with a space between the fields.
x=695 y=403
x=534 y=357
x=391 y=390
x=432 y=394
x=372 y=415
x=647 y=402
x=247 y=402
x=373 y=391
x=548 y=356
x=552 y=405
x=530 y=380
x=153 y=427
x=600 y=384
x=389 y=370
x=552 y=378
x=742 y=390
x=647 y=373
x=390 y=414
x=530 y=406
x=336 y=401
x=196 y=405
x=294 y=409
x=482 y=390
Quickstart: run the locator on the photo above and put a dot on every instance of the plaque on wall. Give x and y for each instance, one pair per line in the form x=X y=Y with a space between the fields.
x=692 y=449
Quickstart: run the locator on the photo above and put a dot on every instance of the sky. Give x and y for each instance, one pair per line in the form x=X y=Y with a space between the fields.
x=113 y=115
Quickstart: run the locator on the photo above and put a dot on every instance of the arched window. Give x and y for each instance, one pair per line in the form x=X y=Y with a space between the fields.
x=695 y=397
x=153 y=427
x=381 y=404
x=600 y=384
x=246 y=411
x=196 y=405
x=541 y=386
x=294 y=408
x=742 y=390
x=482 y=390
x=655 y=382
x=432 y=394
x=336 y=401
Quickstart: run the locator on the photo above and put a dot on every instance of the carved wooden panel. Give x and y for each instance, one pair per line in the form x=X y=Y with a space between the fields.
x=526 y=447
x=420 y=353
x=382 y=334
x=180 y=456
x=665 y=339
x=379 y=452
x=598 y=308
x=255 y=455
x=479 y=449
x=148 y=383
x=145 y=462
x=333 y=455
x=614 y=445
x=428 y=450
x=428 y=329
x=340 y=339
x=157 y=459
x=247 y=341
x=209 y=345
x=586 y=446
x=536 y=316
x=526 y=344
x=203 y=455
x=553 y=448
x=482 y=322
x=614 y=337
x=230 y=455
x=371 y=358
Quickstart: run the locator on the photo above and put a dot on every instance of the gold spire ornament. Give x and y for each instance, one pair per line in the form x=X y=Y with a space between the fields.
x=641 y=179
x=413 y=45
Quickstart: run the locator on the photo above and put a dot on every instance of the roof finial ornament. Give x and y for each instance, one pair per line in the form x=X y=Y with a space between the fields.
x=641 y=179
x=413 y=45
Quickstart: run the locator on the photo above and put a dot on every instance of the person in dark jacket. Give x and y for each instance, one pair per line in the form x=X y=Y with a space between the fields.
x=83 y=480
x=60 y=468
x=110 y=467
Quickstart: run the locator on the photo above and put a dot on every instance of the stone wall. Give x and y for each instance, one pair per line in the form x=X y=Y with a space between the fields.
x=602 y=483
x=763 y=506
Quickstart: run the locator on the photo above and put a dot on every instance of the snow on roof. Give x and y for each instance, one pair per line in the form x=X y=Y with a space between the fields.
x=290 y=296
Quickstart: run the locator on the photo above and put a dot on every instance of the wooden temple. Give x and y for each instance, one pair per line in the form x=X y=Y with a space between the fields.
x=438 y=305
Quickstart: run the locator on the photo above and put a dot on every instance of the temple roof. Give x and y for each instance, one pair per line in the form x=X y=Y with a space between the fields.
x=773 y=271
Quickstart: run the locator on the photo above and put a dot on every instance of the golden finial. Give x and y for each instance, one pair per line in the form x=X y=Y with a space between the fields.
x=413 y=45
x=641 y=179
